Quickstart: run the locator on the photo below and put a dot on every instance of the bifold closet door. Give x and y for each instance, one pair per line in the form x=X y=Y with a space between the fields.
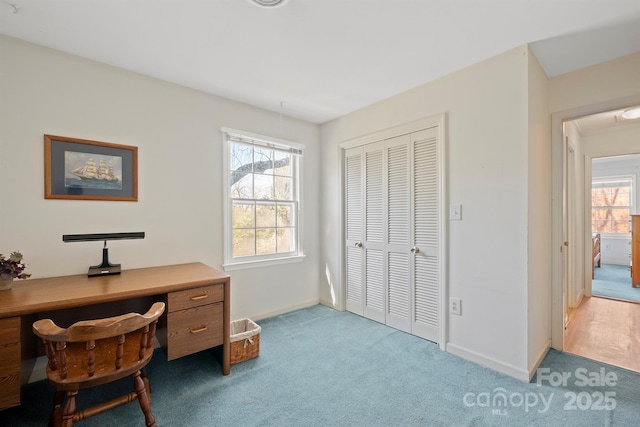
x=426 y=231
x=366 y=219
x=392 y=196
x=398 y=233
x=354 y=220
x=374 y=231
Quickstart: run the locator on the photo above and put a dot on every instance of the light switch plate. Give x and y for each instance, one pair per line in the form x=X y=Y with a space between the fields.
x=455 y=212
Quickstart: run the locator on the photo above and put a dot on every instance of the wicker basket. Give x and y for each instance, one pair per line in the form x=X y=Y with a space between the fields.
x=245 y=340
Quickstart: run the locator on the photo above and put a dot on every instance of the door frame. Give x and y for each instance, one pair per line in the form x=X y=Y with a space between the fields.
x=570 y=241
x=557 y=173
x=439 y=121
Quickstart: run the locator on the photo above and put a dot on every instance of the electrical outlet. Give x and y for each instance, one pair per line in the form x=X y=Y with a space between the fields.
x=455 y=306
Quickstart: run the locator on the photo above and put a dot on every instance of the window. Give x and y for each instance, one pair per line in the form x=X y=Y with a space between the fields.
x=262 y=185
x=612 y=202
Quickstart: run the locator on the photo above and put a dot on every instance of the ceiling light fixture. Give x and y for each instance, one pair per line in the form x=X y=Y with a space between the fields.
x=268 y=3
x=631 y=113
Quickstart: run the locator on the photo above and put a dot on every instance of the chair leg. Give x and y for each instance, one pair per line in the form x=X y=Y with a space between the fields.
x=55 y=419
x=143 y=399
x=143 y=374
x=69 y=409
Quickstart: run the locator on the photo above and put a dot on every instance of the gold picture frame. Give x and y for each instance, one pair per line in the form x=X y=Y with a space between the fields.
x=81 y=169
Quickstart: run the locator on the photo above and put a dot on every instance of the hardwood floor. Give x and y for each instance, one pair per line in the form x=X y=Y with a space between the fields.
x=605 y=330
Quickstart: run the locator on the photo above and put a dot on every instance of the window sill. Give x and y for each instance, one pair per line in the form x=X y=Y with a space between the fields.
x=262 y=263
x=616 y=236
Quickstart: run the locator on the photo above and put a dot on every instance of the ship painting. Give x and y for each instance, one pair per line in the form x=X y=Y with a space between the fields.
x=91 y=170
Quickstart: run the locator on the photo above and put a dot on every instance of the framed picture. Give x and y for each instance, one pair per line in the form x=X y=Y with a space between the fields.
x=89 y=170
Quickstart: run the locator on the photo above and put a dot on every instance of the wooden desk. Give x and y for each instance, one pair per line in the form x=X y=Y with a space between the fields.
x=197 y=315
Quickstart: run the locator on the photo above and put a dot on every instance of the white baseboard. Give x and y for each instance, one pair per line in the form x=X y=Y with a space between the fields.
x=541 y=355
x=330 y=305
x=488 y=362
x=284 y=310
x=578 y=299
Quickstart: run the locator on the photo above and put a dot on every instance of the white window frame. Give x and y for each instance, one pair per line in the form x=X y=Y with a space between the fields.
x=632 y=197
x=236 y=263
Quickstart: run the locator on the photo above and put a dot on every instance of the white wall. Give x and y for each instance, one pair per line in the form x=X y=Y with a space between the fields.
x=593 y=89
x=177 y=132
x=487 y=137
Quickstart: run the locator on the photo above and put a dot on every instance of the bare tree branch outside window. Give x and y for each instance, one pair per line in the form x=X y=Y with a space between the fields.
x=611 y=206
x=263 y=202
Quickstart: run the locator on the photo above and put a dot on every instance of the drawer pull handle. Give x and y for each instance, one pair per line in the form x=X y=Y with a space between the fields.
x=197 y=297
x=200 y=329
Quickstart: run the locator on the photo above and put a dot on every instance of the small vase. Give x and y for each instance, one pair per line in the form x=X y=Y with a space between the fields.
x=5 y=284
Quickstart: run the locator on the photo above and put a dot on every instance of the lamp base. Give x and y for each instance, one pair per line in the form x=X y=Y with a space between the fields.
x=105 y=268
x=98 y=270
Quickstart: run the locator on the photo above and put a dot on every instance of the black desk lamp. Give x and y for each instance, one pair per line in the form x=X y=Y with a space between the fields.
x=105 y=268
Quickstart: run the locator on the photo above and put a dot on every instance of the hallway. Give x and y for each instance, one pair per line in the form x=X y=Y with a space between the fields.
x=605 y=330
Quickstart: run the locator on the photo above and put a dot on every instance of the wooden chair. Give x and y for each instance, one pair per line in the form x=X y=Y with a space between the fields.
x=595 y=253
x=96 y=352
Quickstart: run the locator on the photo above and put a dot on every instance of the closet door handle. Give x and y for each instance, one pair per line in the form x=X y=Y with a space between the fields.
x=415 y=250
x=358 y=244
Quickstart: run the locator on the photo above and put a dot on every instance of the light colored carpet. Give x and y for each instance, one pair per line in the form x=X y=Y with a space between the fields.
x=320 y=367
x=614 y=281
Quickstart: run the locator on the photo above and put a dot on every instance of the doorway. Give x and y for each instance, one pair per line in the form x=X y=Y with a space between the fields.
x=597 y=156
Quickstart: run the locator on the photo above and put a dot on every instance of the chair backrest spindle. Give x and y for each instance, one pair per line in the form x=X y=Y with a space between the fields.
x=143 y=342
x=51 y=355
x=120 y=351
x=152 y=334
x=62 y=358
x=91 y=357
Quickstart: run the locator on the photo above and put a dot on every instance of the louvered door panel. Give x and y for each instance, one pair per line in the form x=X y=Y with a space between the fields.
x=354 y=254
x=426 y=294
x=375 y=219
x=374 y=285
x=398 y=191
x=426 y=234
x=353 y=178
x=398 y=233
x=399 y=292
x=354 y=280
x=374 y=196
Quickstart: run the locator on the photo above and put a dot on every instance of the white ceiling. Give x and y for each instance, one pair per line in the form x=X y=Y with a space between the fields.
x=320 y=59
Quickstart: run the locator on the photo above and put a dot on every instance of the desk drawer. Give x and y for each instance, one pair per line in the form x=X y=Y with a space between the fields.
x=10 y=359
x=195 y=296
x=9 y=330
x=194 y=329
